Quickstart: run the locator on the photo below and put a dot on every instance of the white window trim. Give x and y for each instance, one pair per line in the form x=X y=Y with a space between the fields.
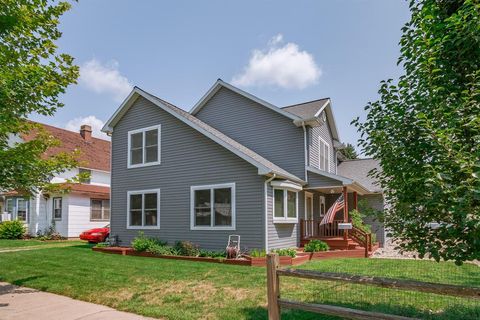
x=13 y=206
x=61 y=208
x=211 y=187
x=285 y=218
x=143 y=130
x=327 y=169
x=103 y=210
x=321 y=200
x=26 y=210
x=308 y=196
x=129 y=193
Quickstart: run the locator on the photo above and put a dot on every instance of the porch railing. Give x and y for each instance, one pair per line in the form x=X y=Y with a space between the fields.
x=313 y=229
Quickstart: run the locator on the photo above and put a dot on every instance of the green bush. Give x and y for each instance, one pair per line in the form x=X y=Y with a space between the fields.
x=12 y=230
x=102 y=245
x=160 y=249
x=357 y=222
x=286 y=252
x=256 y=253
x=212 y=254
x=187 y=248
x=143 y=243
x=316 y=246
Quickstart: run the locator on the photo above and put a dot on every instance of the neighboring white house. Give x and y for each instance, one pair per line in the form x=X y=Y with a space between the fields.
x=84 y=206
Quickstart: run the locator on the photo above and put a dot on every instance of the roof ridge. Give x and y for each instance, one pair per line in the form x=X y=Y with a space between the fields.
x=300 y=103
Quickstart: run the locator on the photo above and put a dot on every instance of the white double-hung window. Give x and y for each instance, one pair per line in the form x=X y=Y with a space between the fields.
x=324 y=155
x=143 y=209
x=144 y=147
x=212 y=207
x=285 y=205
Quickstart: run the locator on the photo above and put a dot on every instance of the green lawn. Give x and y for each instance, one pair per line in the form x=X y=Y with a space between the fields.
x=12 y=244
x=174 y=289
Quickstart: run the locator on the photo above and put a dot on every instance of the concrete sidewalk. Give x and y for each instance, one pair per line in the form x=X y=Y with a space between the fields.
x=28 y=304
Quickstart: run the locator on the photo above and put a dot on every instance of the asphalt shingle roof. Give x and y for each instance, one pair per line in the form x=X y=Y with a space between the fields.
x=306 y=110
x=358 y=170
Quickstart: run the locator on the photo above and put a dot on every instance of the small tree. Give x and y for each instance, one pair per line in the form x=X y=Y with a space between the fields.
x=32 y=76
x=425 y=130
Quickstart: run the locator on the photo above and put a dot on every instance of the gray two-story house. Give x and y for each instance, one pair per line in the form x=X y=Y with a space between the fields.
x=233 y=165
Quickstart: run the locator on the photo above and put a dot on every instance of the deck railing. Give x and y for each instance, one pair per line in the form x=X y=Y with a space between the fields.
x=313 y=229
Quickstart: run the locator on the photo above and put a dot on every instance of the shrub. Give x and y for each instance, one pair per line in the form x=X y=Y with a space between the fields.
x=49 y=234
x=316 y=246
x=212 y=254
x=160 y=249
x=357 y=222
x=102 y=245
x=187 y=248
x=256 y=253
x=143 y=243
x=12 y=230
x=286 y=252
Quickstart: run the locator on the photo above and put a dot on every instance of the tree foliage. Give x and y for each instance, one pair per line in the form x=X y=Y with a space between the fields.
x=425 y=131
x=349 y=152
x=32 y=77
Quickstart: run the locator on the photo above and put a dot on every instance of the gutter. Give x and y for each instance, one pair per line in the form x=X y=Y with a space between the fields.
x=266 y=209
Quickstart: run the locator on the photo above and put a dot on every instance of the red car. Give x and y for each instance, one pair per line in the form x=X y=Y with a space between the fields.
x=96 y=235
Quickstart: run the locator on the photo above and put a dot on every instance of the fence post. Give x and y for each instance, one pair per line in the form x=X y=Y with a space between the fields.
x=273 y=287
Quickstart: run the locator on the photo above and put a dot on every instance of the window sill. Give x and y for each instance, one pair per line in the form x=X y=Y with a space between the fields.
x=131 y=166
x=285 y=221
x=213 y=228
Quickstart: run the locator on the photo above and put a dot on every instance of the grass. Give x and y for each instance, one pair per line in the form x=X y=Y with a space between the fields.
x=13 y=244
x=174 y=289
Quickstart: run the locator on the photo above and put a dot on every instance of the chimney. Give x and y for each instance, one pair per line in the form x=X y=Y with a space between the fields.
x=86 y=132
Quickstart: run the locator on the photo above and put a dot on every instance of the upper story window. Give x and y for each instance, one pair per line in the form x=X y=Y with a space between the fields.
x=213 y=207
x=143 y=209
x=57 y=208
x=324 y=155
x=144 y=147
x=285 y=205
x=86 y=175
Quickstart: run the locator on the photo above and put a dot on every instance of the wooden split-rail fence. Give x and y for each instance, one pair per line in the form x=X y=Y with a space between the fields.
x=275 y=302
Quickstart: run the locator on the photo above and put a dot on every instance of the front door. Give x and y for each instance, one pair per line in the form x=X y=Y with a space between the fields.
x=309 y=214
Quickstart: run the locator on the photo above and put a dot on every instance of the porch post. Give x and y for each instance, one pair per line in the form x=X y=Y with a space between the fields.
x=355 y=200
x=345 y=211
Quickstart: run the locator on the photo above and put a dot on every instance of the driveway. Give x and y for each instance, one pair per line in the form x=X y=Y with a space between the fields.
x=28 y=304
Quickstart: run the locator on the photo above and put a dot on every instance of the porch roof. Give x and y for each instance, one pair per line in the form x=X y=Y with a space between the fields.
x=332 y=183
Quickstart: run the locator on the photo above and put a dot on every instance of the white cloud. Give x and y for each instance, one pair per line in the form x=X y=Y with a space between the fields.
x=94 y=122
x=105 y=79
x=284 y=66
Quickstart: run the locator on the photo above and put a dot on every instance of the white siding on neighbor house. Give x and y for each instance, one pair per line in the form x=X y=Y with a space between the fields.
x=322 y=131
x=61 y=226
x=97 y=177
x=79 y=215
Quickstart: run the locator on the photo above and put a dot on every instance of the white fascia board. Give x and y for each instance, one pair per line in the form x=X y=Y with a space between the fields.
x=122 y=109
x=322 y=108
x=285 y=184
x=220 y=83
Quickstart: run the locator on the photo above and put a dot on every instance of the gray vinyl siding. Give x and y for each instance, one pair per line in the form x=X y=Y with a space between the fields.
x=375 y=201
x=318 y=181
x=283 y=235
x=188 y=158
x=323 y=131
x=257 y=127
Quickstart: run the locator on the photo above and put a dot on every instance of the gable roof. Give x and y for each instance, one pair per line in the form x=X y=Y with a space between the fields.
x=95 y=153
x=222 y=84
x=264 y=166
x=342 y=180
x=311 y=110
x=358 y=170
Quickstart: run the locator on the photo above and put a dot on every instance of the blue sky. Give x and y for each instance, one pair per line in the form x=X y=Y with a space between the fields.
x=284 y=52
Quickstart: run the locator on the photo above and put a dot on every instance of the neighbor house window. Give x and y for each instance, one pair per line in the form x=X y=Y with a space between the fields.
x=143 y=209
x=86 y=172
x=99 y=210
x=9 y=206
x=285 y=205
x=22 y=209
x=57 y=208
x=144 y=147
x=213 y=207
x=324 y=155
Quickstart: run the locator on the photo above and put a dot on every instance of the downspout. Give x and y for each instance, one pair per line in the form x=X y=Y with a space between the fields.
x=266 y=209
x=305 y=153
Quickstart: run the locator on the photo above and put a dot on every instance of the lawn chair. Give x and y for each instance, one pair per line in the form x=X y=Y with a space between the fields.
x=233 y=246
